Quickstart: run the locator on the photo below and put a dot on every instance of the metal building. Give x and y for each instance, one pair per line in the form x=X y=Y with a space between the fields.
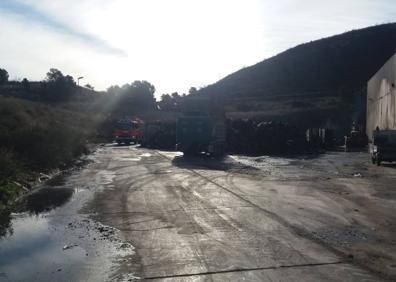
x=381 y=99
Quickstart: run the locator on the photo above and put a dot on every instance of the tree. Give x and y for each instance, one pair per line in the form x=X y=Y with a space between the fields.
x=135 y=97
x=114 y=90
x=25 y=83
x=166 y=103
x=3 y=76
x=142 y=95
x=54 y=75
x=70 y=80
x=89 y=86
x=192 y=91
x=59 y=87
x=175 y=95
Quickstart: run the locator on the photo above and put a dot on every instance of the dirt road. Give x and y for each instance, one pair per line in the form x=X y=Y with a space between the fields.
x=330 y=218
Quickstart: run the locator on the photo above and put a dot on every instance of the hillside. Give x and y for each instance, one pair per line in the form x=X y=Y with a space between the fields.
x=318 y=76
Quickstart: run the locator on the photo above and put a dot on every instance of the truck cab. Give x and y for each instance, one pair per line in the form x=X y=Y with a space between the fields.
x=127 y=131
x=383 y=147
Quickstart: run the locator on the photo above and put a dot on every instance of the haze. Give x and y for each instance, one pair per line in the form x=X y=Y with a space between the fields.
x=174 y=44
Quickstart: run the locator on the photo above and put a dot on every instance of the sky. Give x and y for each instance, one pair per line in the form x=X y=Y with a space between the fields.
x=174 y=44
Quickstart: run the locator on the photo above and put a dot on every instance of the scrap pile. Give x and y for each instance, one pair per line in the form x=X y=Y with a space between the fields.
x=323 y=138
x=259 y=137
x=159 y=135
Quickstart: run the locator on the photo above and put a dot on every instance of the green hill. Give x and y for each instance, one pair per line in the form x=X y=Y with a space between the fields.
x=316 y=83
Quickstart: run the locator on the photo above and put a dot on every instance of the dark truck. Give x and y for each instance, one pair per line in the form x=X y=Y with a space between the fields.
x=159 y=135
x=201 y=127
x=383 y=147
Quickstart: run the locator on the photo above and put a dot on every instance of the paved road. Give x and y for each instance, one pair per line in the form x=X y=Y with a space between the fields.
x=156 y=215
x=204 y=220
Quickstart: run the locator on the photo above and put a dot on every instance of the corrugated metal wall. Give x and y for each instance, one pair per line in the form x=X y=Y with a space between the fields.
x=381 y=99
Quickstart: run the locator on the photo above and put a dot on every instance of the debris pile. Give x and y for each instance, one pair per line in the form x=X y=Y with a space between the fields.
x=259 y=137
x=252 y=137
x=321 y=138
x=159 y=135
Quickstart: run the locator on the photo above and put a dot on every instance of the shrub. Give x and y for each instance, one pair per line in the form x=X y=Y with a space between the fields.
x=9 y=165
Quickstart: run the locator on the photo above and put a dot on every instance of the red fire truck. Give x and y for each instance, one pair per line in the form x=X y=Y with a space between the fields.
x=128 y=131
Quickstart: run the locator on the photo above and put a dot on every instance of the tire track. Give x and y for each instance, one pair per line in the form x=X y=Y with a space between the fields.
x=294 y=229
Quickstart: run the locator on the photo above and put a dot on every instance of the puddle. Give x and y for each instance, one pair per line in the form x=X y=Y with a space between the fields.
x=146 y=155
x=344 y=236
x=25 y=254
x=47 y=247
x=129 y=159
x=44 y=199
x=49 y=240
x=104 y=177
x=5 y=224
x=263 y=162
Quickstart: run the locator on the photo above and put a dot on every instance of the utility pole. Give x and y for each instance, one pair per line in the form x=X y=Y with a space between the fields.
x=78 y=80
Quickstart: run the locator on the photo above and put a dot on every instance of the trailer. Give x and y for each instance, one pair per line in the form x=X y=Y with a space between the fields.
x=381 y=113
x=201 y=127
x=381 y=99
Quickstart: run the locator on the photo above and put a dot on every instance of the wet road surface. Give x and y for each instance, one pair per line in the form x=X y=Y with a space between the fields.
x=158 y=216
x=52 y=239
x=200 y=219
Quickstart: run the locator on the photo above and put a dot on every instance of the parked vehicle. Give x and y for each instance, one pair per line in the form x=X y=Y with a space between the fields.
x=159 y=135
x=356 y=140
x=128 y=131
x=201 y=128
x=383 y=147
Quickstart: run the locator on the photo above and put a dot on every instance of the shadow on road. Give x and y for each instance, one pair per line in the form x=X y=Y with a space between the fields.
x=206 y=162
x=389 y=165
x=116 y=145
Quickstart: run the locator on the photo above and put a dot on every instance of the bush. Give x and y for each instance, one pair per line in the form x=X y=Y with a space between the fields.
x=9 y=165
x=8 y=191
x=39 y=137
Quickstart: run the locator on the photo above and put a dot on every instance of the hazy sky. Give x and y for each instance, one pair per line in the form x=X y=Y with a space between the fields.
x=174 y=44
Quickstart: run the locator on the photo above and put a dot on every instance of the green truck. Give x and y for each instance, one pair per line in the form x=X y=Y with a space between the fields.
x=201 y=127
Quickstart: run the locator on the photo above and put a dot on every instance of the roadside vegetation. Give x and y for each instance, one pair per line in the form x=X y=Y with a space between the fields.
x=46 y=125
x=35 y=138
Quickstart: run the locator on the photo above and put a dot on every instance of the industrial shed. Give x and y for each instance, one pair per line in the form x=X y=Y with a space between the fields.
x=381 y=99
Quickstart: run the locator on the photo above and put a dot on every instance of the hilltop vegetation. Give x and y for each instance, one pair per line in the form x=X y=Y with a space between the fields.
x=327 y=75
